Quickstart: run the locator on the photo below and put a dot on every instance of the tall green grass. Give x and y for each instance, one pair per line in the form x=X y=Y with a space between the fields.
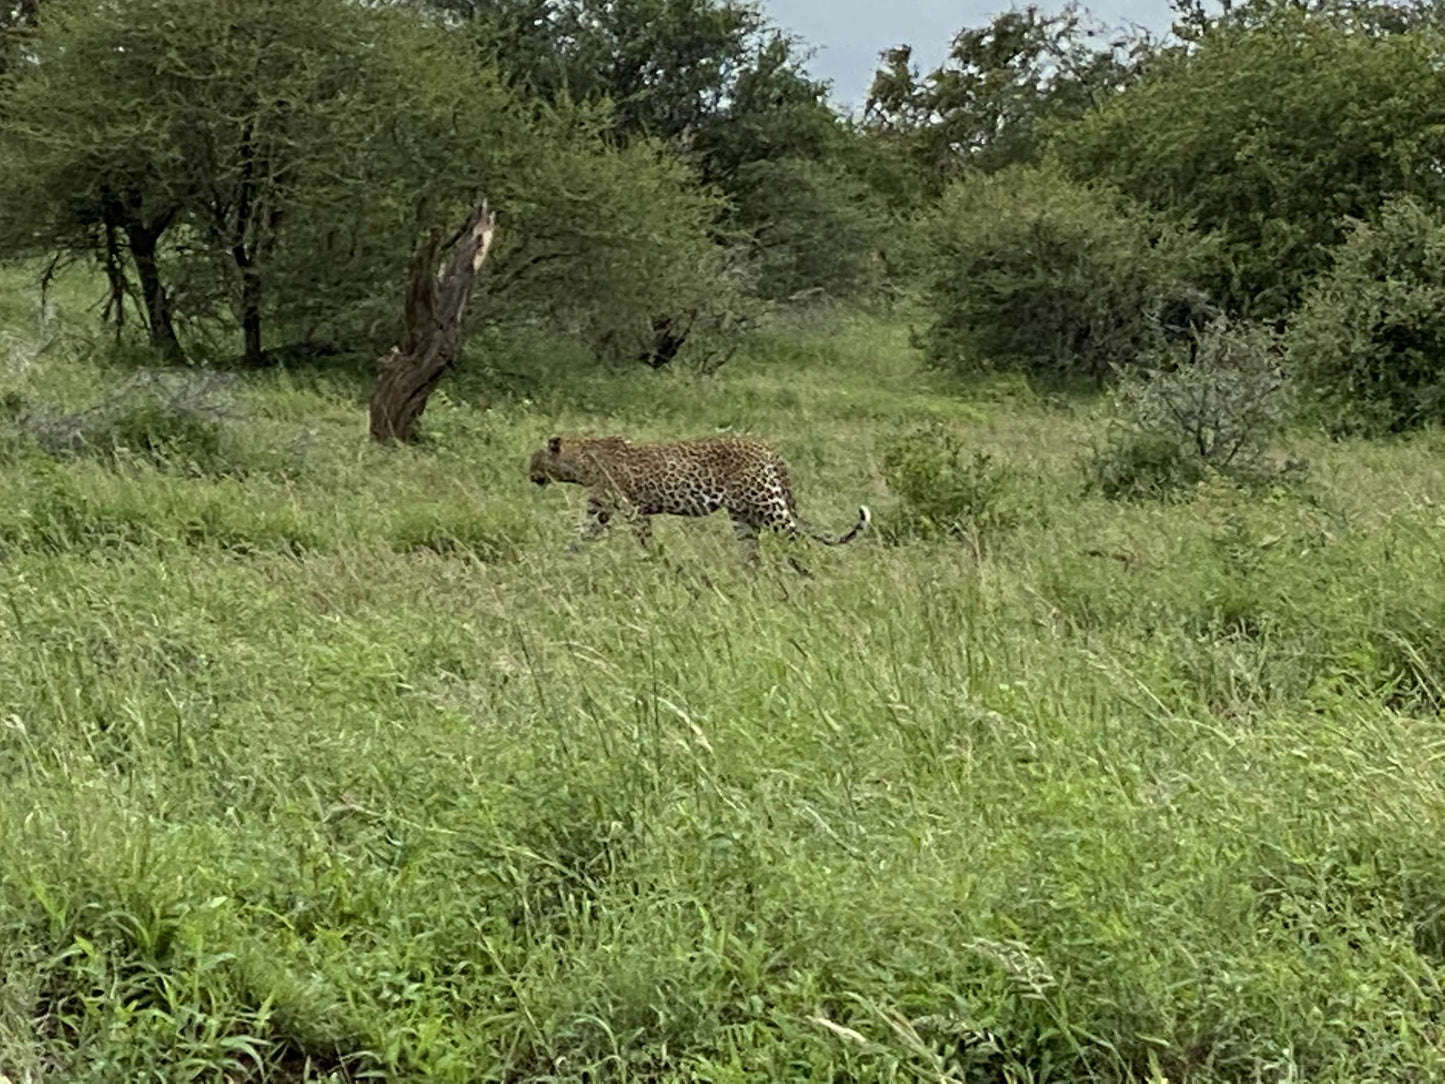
x=329 y=762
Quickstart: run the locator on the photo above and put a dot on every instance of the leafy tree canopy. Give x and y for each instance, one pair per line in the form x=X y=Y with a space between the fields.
x=1267 y=136
x=723 y=89
x=984 y=106
x=1196 y=19
x=1369 y=339
x=275 y=163
x=1026 y=270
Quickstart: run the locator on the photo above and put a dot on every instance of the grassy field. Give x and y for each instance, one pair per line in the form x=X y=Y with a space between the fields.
x=328 y=762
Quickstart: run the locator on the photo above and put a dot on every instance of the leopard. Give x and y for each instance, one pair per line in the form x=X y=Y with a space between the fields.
x=635 y=481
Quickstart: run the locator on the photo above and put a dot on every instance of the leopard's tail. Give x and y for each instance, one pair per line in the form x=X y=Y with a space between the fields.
x=865 y=517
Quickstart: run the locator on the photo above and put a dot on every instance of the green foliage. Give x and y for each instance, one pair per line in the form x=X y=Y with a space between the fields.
x=665 y=66
x=214 y=146
x=1266 y=136
x=149 y=428
x=1216 y=413
x=710 y=79
x=1196 y=19
x=1001 y=85
x=798 y=182
x=944 y=490
x=211 y=153
x=726 y=92
x=1369 y=340
x=608 y=240
x=814 y=228
x=1137 y=464
x=1025 y=270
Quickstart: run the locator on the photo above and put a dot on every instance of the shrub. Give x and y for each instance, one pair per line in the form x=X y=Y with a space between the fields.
x=1264 y=136
x=1369 y=340
x=1133 y=464
x=1215 y=412
x=170 y=418
x=616 y=243
x=943 y=491
x=1025 y=270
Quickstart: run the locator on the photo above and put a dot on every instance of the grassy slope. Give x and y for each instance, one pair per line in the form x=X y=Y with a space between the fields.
x=335 y=761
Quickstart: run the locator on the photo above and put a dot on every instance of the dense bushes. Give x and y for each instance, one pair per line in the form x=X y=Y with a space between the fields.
x=1263 y=137
x=1026 y=270
x=1370 y=339
x=814 y=229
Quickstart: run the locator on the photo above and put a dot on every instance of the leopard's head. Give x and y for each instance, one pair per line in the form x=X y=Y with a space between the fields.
x=570 y=459
x=582 y=460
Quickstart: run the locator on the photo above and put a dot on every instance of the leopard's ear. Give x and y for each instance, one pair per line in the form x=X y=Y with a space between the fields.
x=554 y=445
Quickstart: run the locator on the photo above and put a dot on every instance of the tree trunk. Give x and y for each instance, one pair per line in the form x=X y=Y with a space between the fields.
x=250 y=222
x=153 y=291
x=251 y=317
x=435 y=304
x=115 y=276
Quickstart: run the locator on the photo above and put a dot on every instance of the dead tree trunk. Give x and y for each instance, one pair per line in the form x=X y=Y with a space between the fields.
x=435 y=304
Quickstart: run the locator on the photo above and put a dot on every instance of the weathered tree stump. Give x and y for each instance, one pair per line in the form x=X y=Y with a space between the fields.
x=435 y=304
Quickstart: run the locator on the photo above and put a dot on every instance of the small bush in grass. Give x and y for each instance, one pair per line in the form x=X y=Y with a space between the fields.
x=944 y=491
x=170 y=418
x=1132 y=465
x=1368 y=341
x=159 y=431
x=1216 y=413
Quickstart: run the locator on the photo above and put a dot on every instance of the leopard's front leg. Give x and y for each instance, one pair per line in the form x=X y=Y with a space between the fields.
x=599 y=514
x=641 y=527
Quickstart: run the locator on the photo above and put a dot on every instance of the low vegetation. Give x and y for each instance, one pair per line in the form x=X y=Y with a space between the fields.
x=330 y=762
x=1218 y=409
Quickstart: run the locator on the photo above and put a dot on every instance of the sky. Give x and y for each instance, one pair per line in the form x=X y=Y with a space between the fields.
x=849 y=34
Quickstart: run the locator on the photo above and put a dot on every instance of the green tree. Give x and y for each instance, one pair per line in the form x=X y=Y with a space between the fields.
x=810 y=217
x=667 y=68
x=81 y=172
x=1196 y=19
x=1268 y=137
x=197 y=133
x=598 y=240
x=813 y=227
x=273 y=162
x=983 y=108
x=726 y=92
